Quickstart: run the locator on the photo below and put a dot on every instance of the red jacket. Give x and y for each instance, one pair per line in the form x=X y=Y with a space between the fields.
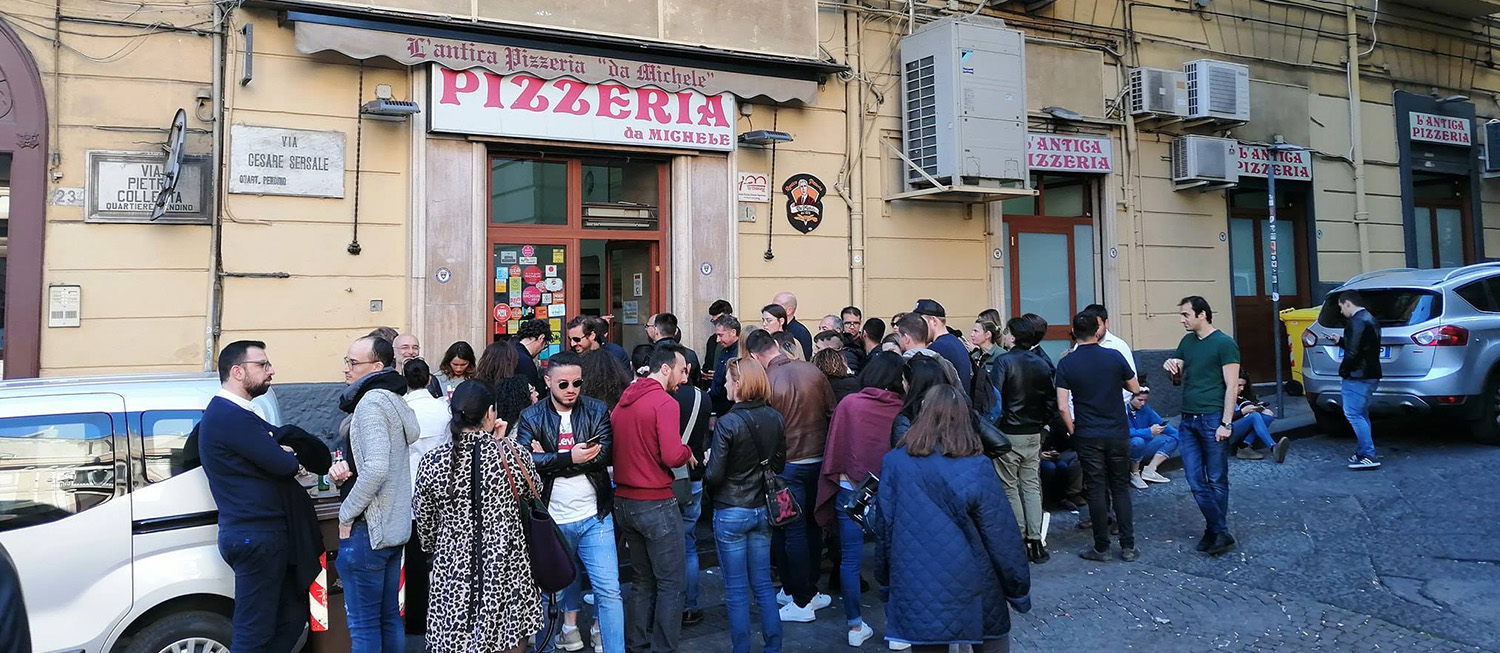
x=648 y=442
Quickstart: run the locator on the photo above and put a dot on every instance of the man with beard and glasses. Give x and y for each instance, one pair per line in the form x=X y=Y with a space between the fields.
x=252 y=477
x=570 y=441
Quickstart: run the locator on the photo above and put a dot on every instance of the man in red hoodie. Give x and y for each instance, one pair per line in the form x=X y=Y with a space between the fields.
x=648 y=444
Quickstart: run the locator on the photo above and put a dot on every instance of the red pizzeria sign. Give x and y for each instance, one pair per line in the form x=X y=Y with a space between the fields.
x=526 y=106
x=1440 y=129
x=1290 y=165
x=1069 y=153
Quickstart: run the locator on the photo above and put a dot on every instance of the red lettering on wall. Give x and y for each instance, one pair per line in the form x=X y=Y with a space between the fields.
x=651 y=104
x=572 y=100
x=711 y=114
x=455 y=82
x=492 y=83
x=529 y=99
x=611 y=96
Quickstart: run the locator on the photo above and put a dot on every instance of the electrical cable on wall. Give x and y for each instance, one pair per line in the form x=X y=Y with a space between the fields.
x=359 y=127
x=771 y=178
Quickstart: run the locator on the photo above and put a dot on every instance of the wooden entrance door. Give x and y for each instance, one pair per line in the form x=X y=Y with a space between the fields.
x=1260 y=335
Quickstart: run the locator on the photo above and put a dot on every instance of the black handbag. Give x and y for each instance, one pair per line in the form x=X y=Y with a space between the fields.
x=781 y=505
x=551 y=562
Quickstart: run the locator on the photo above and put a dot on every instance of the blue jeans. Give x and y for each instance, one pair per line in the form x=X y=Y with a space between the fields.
x=593 y=542
x=1142 y=449
x=1253 y=427
x=691 y=511
x=269 y=612
x=1205 y=460
x=802 y=541
x=851 y=547
x=743 y=539
x=372 y=580
x=652 y=531
x=1356 y=395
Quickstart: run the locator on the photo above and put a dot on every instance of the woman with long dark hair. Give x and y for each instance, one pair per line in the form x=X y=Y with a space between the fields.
x=920 y=374
x=497 y=369
x=773 y=318
x=457 y=366
x=941 y=506
x=856 y=445
x=604 y=378
x=468 y=502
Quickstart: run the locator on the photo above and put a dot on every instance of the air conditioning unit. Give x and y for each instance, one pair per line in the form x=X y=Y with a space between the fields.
x=1158 y=91
x=963 y=103
x=1492 y=148
x=1218 y=89
x=1199 y=160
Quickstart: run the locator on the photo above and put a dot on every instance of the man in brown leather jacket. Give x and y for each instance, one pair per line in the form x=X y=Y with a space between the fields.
x=805 y=400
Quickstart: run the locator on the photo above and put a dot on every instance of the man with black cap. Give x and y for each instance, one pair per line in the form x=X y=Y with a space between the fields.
x=946 y=345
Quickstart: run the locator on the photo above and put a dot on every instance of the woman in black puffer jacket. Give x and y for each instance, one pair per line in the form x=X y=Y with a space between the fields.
x=924 y=372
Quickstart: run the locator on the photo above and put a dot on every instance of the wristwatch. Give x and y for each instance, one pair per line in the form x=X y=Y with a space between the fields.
x=1225 y=425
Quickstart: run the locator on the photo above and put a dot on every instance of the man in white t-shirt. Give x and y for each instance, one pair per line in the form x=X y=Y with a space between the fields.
x=1111 y=341
x=571 y=441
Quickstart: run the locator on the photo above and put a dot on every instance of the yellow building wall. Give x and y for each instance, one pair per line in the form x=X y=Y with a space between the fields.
x=144 y=286
x=309 y=319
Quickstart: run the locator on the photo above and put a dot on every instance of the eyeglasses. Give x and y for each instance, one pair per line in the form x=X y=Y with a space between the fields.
x=262 y=364
x=350 y=362
x=851 y=322
x=575 y=340
x=563 y=385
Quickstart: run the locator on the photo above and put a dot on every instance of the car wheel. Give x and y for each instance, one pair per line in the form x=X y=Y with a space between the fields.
x=184 y=632
x=1484 y=426
x=1332 y=422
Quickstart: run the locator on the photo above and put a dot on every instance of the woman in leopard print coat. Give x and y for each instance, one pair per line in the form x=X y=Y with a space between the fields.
x=484 y=599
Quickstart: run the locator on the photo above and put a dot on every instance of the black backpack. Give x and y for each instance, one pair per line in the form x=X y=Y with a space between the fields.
x=984 y=398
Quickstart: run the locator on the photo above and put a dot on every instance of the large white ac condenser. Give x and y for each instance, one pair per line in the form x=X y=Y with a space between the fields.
x=963 y=103
x=1218 y=89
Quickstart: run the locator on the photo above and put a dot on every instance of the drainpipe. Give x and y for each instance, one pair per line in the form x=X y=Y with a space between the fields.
x=215 y=279
x=1357 y=151
x=854 y=185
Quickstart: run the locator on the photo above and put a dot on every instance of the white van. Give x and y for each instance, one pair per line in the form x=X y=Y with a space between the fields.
x=114 y=538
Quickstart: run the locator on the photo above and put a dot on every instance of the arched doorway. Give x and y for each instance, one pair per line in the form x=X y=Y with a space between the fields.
x=23 y=174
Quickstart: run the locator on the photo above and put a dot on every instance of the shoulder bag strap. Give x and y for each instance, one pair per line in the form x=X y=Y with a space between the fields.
x=687 y=431
x=505 y=459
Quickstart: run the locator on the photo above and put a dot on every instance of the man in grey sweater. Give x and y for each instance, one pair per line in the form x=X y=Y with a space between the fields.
x=375 y=518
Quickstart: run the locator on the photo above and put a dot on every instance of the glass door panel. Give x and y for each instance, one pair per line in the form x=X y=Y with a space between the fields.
x=1448 y=224
x=530 y=283
x=1042 y=276
x=1242 y=257
x=1286 y=252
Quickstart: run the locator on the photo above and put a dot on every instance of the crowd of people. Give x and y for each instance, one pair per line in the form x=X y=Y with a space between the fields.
x=945 y=450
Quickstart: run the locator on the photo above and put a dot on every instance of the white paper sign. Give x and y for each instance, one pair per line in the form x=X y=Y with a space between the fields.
x=753 y=187
x=272 y=161
x=1067 y=153
x=1440 y=129
x=1291 y=165
x=526 y=106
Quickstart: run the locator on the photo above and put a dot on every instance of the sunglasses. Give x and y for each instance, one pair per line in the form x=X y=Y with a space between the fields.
x=575 y=340
x=563 y=385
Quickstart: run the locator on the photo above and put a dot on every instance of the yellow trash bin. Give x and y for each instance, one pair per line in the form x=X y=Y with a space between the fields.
x=1297 y=320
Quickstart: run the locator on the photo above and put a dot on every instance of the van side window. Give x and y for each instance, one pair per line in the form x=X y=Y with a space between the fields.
x=165 y=434
x=54 y=466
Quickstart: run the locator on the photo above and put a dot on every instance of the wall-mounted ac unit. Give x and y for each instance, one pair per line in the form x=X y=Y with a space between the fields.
x=1198 y=160
x=1158 y=91
x=1492 y=148
x=963 y=108
x=1218 y=89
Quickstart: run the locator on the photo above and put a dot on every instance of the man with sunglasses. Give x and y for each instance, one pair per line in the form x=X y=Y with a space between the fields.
x=571 y=441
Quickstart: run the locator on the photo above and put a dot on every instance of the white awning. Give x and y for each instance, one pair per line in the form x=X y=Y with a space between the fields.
x=417 y=49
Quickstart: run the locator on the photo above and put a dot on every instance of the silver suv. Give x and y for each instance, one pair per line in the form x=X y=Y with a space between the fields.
x=1439 y=347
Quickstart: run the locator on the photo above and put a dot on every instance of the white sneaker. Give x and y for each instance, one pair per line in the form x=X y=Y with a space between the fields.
x=1154 y=476
x=1046 y=525
x=1136 y=482
x=897 y=646
x=820 y=601
x=859 y=637
x=799 y=614
x=782 y=598
x=596 y=638
x=570 y=639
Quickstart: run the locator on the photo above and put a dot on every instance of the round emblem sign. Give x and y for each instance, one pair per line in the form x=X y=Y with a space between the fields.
x=554 y=284
x=502 y=312
x=532 y=275
x=531 y=295
x=444 y=275
x=707 y=268
x=528 y=251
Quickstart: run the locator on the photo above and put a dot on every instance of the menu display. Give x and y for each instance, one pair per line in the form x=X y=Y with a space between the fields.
x=529 y=284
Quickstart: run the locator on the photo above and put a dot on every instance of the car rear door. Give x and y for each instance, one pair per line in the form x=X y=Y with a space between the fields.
x=1401 y=312
x=64 y=516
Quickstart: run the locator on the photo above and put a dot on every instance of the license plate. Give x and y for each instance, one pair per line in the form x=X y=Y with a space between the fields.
x=1385 y=353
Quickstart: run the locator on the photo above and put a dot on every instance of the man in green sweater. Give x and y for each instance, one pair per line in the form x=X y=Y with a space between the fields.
x=1207 y=366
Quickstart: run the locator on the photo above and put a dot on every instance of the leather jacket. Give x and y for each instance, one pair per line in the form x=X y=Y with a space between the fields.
x=805 y=400
x=995 y=443
x=733 y=475
x=540 y=423
x=1028 y=399
x=1361 y=345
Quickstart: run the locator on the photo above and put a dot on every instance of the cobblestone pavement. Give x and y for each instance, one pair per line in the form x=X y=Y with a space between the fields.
x=1401 y=559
